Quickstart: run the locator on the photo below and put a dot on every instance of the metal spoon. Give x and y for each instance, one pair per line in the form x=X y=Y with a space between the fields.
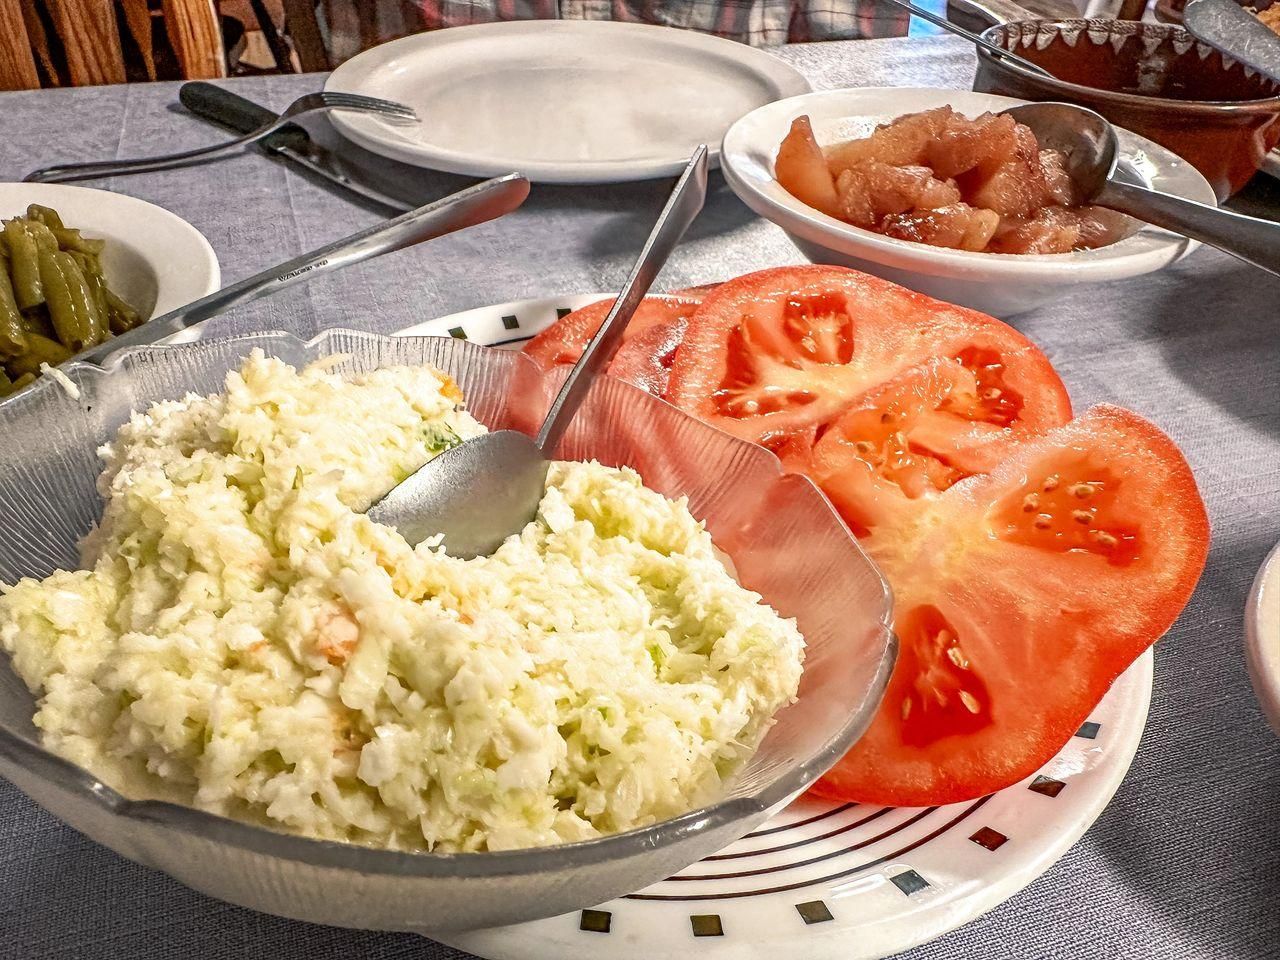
x=994 y=49
x=483 y=202
x=1088 y=143
x=1226 y=26
x=480 y=492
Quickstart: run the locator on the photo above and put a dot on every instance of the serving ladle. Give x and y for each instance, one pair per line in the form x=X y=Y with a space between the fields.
x=483 y=490
x=1090 y=148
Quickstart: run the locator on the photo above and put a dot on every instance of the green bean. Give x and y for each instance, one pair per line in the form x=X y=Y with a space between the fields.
x=97 y=286
x=121 y=316
x=70 y=239
x=39 y=350
x=71 y=307
x=24 y=265
x=42 y=235
x=13 y=339
x=8 y=386
x=46 y=215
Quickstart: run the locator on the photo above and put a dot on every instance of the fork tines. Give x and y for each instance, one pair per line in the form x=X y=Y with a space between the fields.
x=355 y=101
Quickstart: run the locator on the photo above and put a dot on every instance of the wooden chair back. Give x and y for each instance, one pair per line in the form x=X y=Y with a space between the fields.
x=91 y=51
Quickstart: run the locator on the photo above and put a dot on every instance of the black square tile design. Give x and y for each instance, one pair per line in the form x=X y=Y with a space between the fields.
x=1046 y=785
x=1089 y=730
x=909 y=882
x=457 y=333
x=707 y=925
x=562 y=312
x=595 y=921
x=510 y=322
x=989 y=839
x=814 y=911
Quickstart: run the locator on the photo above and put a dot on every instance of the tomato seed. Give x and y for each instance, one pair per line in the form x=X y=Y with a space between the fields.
x=1031 y=503
x=1043 y=522
x=970 y=701
x=1051 y=482
x=1081 y=491
x=1082 y=516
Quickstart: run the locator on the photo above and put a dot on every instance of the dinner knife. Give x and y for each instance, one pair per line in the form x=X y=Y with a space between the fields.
x=211 y=102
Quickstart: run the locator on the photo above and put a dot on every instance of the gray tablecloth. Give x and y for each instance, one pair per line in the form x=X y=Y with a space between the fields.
x=1184 y=863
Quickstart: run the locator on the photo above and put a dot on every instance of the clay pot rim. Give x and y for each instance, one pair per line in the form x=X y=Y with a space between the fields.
x=1219 y=109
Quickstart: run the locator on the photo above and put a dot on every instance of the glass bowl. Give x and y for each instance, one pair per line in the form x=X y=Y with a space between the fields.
x=781 y=533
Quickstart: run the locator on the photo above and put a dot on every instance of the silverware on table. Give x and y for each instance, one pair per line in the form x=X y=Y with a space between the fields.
x=290 y=142
x=307 y=104
x=1231 y=30
x=480 y=492
x=1088 y=143
x=485 y=201
x=994 y=49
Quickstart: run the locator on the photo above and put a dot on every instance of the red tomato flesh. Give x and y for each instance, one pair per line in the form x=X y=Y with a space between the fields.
x=1020 y=596
x=646 y=363
x=916 y=392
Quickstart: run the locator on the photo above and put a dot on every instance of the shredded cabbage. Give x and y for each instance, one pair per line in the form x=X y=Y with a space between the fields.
x=244 y=639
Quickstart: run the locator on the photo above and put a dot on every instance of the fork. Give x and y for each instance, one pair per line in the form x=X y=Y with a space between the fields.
x=310 y=103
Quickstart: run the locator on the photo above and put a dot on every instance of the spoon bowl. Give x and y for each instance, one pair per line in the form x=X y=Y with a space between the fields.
x=1088 y=143
x=487 y=488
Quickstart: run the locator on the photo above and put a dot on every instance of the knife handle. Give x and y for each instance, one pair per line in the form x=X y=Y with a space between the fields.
x=233 y=111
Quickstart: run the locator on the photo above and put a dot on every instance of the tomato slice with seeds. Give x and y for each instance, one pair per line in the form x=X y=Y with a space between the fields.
x=646 y=363
x=781 y=356
x=1020 y=596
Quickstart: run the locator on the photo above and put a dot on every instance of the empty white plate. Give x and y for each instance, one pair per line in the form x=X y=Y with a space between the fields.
x=560 y=101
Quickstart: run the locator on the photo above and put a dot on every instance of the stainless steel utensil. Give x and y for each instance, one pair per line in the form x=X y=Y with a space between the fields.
x=290 y=142
x=482 y=491
x=485 y=201
x=310 y=103
x=1230 y=29
x=1088 y=142
x=994 y=49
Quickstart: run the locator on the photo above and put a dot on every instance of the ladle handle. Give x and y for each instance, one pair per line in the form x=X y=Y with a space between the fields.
x=682 y=206
x=1249 y=238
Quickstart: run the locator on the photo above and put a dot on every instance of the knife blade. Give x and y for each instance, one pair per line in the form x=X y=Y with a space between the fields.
x=230 y=110
x=1234 y=32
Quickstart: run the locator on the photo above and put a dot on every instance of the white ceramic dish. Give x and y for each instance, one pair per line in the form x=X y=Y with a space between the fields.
x=998 y=284
x=1262 y=637
x=826 y=881
x=560 y=101
x=153 y=258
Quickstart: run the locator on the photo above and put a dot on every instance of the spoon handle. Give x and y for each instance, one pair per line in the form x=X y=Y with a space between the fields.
x=682 y=206
x=485 y=201
x=1249 y=238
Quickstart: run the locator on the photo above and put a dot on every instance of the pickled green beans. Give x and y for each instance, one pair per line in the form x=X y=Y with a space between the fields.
x=54 y=297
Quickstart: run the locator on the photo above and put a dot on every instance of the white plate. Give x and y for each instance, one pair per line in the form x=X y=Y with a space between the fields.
x=999 y=284
x=153 y=259
x=824 y=881
x=560 y=101
x=1262 y=637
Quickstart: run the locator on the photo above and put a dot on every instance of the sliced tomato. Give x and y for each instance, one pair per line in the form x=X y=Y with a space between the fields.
x=645 y=358
x=1020 y=595
x=783 y=357
x=564 y=341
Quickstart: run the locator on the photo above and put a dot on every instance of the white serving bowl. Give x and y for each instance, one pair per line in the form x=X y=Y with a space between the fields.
x=998 y=284
x=153 y=258
x=784 y=538
x=1262 y=637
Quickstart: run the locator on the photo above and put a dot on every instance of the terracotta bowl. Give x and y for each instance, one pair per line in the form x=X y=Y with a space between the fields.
x=1152 y=78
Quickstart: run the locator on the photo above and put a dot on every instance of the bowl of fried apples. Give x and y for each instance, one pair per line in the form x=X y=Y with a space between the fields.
x=939 y=191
